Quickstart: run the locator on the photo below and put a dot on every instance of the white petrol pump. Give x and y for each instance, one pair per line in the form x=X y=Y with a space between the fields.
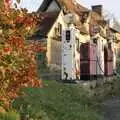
x=68 y=54
x=68 y=48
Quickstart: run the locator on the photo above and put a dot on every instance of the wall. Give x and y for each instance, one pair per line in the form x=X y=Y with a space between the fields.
x=114 y=48
x=100 y=55
x=84 y=38
x=101 y=43
x=56 y=52
x=53 y=44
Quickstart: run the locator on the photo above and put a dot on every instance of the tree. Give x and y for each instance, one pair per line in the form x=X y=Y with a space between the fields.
x=17 y=59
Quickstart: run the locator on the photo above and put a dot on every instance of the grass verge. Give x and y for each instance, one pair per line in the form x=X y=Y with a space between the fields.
x=11 y=115
x=56 y=101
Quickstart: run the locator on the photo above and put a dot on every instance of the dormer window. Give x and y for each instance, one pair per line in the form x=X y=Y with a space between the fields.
x=58 y=30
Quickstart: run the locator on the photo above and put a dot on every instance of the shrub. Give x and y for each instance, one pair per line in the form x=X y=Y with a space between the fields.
x=17 y=56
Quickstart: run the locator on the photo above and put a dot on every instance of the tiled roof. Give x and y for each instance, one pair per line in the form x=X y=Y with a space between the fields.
x=113 y=30
x=67 y=5
x=46 y=23
x=72 y=6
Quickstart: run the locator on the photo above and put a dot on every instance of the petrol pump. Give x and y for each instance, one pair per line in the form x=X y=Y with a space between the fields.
x=68 y=54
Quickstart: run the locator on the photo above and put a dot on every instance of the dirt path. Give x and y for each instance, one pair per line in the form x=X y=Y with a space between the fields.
x=111 y=109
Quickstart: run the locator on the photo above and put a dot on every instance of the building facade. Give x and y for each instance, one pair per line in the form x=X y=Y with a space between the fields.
x=90 y=27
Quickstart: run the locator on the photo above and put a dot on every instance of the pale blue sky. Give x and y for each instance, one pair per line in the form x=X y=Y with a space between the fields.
x=113 y=6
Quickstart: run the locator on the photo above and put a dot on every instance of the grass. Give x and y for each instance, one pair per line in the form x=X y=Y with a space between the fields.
x=11 y=115
x=56 y=101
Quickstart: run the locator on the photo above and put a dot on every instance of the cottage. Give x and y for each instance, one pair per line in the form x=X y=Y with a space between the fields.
x=90 y=27
x=61 y=7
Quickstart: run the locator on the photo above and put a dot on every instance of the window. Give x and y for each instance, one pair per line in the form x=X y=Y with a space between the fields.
x=58 y=29
x=68 y=36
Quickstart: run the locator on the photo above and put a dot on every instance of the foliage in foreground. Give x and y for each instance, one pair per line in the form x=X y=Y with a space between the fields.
x=17 y=59
x=56 y=101
x=10 y=116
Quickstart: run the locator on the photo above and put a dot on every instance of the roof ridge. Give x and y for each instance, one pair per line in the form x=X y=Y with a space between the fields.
x=74 y=4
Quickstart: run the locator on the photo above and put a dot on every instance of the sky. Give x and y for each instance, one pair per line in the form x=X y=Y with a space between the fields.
x=31 y=5
x=112 y=6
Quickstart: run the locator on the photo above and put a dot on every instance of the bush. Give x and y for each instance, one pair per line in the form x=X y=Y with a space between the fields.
x=17 y=56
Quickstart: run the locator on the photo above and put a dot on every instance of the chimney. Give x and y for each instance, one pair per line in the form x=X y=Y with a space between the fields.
x=97 y=9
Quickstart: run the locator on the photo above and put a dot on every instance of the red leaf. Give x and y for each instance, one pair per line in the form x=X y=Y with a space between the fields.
x=7 y=49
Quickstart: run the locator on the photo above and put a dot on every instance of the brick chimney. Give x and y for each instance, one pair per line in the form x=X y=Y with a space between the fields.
x=97 y=9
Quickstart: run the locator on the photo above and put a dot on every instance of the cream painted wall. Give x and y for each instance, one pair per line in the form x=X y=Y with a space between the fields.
x=117 y=44
x=86 y=24
x=100 y=55
x=116 y=50
x=84 y=38
x=54 y=46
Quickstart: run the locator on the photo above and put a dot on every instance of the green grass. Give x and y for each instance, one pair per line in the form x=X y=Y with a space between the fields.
x=11 y=115
x=56 y=101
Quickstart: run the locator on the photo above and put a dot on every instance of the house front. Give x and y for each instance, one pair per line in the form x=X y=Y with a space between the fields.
x=90 y=25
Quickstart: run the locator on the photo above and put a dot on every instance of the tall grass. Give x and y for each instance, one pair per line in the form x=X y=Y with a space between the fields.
x=9 y=116
x=56 y=101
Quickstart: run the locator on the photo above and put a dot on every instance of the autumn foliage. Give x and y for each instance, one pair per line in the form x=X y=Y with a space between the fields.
x=17 y=55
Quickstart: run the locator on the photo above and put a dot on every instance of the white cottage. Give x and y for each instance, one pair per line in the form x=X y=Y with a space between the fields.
x=90 y=24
